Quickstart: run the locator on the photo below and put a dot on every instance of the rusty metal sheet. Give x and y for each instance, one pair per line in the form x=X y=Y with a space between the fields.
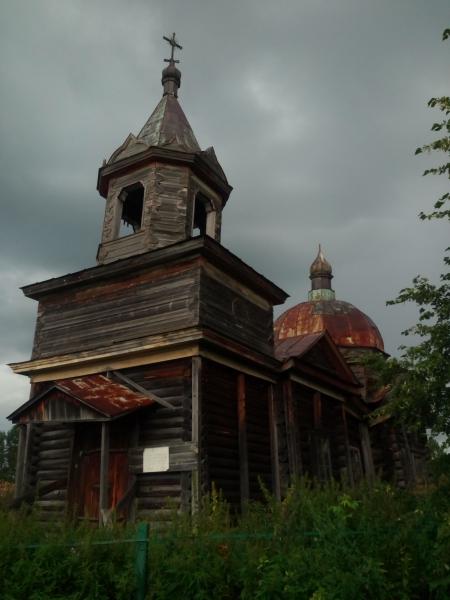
x=295 y=346
x=346 y=324
x=81 y=399
x=103 y=395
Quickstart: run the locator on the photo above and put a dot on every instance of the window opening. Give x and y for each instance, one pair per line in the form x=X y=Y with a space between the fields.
x=200 y=215
x=132 y=199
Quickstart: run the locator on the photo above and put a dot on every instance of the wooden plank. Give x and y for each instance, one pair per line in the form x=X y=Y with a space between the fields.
x=243 y=450
x=291 y=431
x=20 y=462
x=275 y=462
x=27 y=457
x=104 y=468
x=196 y=427
x=347 y=447
x=317 y=403
x=142 y=390
x=367 y=453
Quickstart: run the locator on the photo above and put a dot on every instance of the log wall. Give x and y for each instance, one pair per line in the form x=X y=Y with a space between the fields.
x=219 y=432
x=143 y=304
x=160 y=493
x=234 y=314
x=258 y=437
x=50 y=463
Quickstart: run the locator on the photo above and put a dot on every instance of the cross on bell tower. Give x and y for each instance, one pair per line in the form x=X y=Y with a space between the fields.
x=160 y=186
x=174 y=44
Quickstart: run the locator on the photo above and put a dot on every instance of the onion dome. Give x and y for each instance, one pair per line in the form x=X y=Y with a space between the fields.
x=347 y=325
x=321 y=274
x=171 y=79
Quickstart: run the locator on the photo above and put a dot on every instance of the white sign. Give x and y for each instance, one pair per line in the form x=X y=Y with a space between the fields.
x=156 y=460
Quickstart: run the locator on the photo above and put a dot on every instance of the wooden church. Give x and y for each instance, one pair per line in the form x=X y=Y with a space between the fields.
x=158 y=372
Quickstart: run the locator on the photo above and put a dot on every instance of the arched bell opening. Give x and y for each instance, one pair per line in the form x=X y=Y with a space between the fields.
x=131 y=201
x=204 y=216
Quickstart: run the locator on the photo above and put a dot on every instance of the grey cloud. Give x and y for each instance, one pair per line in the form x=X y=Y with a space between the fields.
x=314 y=109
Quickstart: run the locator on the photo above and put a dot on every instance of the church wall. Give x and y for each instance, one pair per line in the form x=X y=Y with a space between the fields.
x=258 y=437
x=220 y=432
x=158 y=494
x=236 y=437
x=166 y=205
x=103 y=313
x=355 y=448
x=229 y=311
x=165 y=211
x=312 y=435
x=46 y=465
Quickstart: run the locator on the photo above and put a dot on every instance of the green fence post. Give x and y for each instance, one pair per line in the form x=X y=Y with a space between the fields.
x=141 y=560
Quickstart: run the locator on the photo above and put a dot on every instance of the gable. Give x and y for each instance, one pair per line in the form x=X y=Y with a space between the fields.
x=130 y=147
x=56 y=405
x=317 y=350
x=92 y=397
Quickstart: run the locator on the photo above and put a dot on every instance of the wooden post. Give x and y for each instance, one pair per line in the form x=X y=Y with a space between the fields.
x=20 y=466
x=141 y=561
x=291 y=431
x=367 y=452
x=243 y=450
x=196 y=430
x=273 y=424
x=26 y=468
x=411 y=466
x=347 y=448
x=317 y=410
x=104 y=473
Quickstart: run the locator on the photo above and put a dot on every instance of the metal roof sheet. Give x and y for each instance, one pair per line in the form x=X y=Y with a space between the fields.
x=104 y=395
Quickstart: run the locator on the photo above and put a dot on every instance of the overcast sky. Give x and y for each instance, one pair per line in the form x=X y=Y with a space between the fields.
x=314 y=108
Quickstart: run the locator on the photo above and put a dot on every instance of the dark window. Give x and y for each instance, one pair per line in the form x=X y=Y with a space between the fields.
x=132 y=199
x=201 y=207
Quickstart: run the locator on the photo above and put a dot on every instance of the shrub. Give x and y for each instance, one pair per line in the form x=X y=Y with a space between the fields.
x=318 y=543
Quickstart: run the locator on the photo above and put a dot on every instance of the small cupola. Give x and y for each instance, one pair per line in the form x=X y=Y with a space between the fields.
x=160 y=187
x=321 y=275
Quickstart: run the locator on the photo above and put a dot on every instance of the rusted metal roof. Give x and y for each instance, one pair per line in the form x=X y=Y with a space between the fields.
x=346 y=324
x=104 y=396
x=296 y=346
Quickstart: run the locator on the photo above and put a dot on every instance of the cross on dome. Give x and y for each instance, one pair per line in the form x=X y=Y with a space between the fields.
x=174 y=44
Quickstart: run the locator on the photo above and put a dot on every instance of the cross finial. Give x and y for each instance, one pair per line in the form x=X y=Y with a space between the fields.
x=174 y=44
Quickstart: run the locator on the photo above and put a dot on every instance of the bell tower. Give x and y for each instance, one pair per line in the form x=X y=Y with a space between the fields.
x=160 y=187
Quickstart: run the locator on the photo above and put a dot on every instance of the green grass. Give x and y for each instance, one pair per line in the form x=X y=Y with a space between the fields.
x=330 y=543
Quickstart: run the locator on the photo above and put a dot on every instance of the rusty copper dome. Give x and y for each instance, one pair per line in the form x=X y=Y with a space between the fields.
x=346 y=324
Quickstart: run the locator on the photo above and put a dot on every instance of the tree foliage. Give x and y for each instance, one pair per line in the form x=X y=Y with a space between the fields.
x=8 y=453
x=420 y=378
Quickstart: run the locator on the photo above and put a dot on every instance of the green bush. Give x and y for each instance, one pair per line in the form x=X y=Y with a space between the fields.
x=318 y=543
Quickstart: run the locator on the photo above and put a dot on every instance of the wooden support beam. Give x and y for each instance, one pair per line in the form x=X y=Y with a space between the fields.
x=367 y=453
x=196 y=430
x=243 y=449
x=27 y=457
x=317 y=410
x=20 y=466
x=104 y=475
x=411 y=474
x=347 y=448
x=142 y=390
x=273 y=424
x=292 y=435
